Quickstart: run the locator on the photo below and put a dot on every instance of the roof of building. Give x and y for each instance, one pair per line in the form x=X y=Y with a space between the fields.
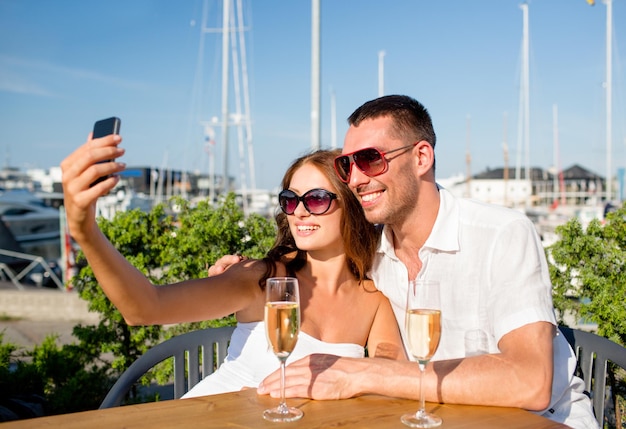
x=575 y=172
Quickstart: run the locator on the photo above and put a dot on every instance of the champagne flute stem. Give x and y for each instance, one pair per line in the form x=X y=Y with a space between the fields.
x=422 y=409
x=283 y=402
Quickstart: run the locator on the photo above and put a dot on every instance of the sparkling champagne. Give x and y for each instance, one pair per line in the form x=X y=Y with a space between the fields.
x=424 y=331
x=282 y=325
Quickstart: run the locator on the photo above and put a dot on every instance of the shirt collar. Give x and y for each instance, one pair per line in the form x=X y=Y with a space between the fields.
x=445 y=234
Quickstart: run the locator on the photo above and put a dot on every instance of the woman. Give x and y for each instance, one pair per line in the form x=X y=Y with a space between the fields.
x=323 y=239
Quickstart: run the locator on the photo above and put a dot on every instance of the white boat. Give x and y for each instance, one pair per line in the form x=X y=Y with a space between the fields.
x=34 y=225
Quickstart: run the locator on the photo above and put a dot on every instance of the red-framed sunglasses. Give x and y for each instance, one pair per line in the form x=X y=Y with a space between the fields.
x=370 y=161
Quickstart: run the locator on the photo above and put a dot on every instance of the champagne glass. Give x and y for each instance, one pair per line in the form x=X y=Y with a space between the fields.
x=423 y=329
x=282 y=324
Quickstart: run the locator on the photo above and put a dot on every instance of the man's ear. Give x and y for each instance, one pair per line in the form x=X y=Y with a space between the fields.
x=425 y=157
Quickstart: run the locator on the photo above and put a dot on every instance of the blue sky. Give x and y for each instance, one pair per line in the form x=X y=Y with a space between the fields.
x=66 y=63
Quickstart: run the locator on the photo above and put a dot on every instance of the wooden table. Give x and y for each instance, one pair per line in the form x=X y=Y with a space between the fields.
x=244 y=410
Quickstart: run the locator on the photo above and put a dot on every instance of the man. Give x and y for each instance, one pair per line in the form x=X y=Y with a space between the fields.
x=491 y=267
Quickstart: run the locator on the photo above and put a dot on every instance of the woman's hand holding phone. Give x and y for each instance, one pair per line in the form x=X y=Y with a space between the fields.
x=104 y=128
x=81 y=170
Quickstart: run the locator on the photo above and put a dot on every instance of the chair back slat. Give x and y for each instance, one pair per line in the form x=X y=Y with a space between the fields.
x=193 y=365
x=179 y=373
x=208 y=363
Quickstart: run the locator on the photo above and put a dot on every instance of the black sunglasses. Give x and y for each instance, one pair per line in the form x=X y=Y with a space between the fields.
x=316 y=201
x=370 y=161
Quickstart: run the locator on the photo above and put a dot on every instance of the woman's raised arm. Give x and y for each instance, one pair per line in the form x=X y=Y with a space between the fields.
x=139 y=301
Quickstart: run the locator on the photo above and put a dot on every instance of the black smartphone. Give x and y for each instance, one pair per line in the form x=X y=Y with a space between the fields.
x=102 y=128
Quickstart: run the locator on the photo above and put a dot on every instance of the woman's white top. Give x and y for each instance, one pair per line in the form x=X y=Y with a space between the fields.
x=250 y=359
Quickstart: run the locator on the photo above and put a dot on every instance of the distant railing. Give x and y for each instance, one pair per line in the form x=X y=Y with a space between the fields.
x=7 y=273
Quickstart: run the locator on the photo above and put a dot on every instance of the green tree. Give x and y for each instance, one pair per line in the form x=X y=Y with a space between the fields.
x=588 y=272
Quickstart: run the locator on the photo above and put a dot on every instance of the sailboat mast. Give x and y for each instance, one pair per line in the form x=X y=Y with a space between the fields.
x=505 y=154
x=555 y=151
x=468 y=158
x=238 y=117
x=225 y=72
x=557 y=180
x=246 y=93
x=333 y=120
x=526 y=86
x=609 y=100
x=381 y=73
x=315 y=74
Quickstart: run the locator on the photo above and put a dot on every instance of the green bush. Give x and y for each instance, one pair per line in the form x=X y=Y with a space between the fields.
x=48 y=380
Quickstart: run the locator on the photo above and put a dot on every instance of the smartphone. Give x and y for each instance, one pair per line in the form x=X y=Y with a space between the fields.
x=102 y=128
